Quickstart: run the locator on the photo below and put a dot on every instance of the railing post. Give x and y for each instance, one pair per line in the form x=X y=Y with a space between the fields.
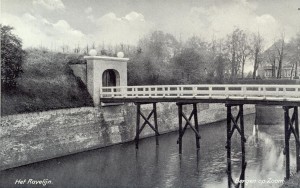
x=194 y=91
x=277 y=91
x=244 y=92
x=226 y=91
x=264 y=92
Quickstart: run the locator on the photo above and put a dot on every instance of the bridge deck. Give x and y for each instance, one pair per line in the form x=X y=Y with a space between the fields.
x=284 y=95
x=197 y=100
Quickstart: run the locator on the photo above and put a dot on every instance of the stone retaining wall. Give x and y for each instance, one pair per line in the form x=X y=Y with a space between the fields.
x=28 y=138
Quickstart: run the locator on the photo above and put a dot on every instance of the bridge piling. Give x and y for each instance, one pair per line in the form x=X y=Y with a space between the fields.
x=196 y=125
x=182 y=130
x=291 y=125
x=228 y=146
x=155 y=123
x=297 y=140
x=139 y=129
x=138 y=109
x=232 y=124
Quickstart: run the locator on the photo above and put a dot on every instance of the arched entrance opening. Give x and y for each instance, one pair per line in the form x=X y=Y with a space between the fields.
x=110 y=78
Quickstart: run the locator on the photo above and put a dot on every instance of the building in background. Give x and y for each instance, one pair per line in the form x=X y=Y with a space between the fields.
x=270 y=72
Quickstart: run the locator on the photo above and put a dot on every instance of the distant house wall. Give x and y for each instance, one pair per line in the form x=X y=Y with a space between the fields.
x=287 y=72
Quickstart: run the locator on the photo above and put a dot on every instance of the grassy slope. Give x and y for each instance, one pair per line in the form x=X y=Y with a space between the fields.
x=47 y=83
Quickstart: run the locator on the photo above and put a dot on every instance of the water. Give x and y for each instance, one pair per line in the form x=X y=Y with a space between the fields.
x=162 y=166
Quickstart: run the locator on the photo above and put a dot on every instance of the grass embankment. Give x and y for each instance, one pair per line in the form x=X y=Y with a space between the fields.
x=47 y=83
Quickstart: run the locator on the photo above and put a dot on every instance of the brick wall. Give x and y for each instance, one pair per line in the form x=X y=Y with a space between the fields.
x=28 y=138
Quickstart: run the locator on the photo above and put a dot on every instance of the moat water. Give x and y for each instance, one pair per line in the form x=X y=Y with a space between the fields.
x=161 y=166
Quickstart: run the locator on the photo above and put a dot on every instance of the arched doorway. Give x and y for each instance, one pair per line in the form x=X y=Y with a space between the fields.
x=110 y=77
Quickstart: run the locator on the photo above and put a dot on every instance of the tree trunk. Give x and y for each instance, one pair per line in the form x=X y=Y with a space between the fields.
x=274 y=69
x=255 y=64
x=233 y=65
x=296 y=70
x=291 y=77
x=280 y=53
x=243 y=66
x=279 y=68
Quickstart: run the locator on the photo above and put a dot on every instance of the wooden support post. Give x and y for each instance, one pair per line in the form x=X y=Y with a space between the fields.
x=228 y=145
x=291 y=125
x=139 y=129
x=297 y=141
x=196 y=125
x=243 y=145
x=232 y=124
x=286 y=141
x=155 y=123
x=180 y=127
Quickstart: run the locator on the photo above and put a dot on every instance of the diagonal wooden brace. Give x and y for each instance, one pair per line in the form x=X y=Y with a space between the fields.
x=230 y=131
x=195 y=128
x=190 y=124
x=235 y=126
x=184 y=129
x=291 y=125
x=146 y=122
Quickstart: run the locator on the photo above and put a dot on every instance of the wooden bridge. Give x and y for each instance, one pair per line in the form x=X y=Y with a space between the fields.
x=287 y=96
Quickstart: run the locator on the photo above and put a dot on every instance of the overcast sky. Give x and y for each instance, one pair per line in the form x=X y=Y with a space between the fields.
x=51 y=23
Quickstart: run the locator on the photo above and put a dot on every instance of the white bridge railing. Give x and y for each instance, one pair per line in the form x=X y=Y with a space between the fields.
x=254 y=92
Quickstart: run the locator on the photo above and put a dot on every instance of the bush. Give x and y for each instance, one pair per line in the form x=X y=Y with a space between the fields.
x=11 y=58
x=47 y=83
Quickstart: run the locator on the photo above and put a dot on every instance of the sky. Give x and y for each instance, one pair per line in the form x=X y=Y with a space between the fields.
x=53 y=23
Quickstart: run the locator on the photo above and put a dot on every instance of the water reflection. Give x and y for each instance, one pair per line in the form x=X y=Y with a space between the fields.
x=265 y=159
x=162 y=166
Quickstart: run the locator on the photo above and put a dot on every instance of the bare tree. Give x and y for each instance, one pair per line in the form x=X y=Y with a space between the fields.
x=65 y=48
x=257 y=47
x=280 y=50
x=232 y=48
x=77 y=49
x=272 y=59
x=94 y=45
x=244 y=51
x=292 y=53
x=86 y=49
x=270 y=56
x=238 y=50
